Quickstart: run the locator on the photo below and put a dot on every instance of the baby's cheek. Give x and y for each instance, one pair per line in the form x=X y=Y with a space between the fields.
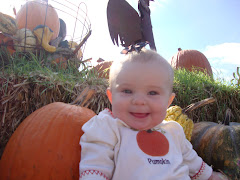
x=116 y=112
x=159 y=117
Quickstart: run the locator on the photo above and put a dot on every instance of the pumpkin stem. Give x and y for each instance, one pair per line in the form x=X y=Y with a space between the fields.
x=227 y=118
x=149 y=131
x=198 y=104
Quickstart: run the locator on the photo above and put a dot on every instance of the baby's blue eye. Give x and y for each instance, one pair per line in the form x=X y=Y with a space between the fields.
x=153 y=93
x=127 y=91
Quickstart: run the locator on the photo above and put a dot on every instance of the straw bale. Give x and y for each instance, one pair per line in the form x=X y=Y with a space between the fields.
x=20 y=97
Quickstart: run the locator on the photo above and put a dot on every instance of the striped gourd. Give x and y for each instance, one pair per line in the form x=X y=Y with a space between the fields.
x=8 y=24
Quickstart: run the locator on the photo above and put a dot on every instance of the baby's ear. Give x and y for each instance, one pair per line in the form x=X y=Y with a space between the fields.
x=109 y=95
x=171 y=98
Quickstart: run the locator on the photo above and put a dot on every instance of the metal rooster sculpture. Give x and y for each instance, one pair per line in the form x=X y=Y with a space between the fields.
x=126 y=25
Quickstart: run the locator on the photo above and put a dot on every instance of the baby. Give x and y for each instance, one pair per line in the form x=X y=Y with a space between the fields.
x=133 y=142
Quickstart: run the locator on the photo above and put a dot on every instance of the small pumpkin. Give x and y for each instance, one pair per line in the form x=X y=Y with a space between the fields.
x=58 y=60
x=191 y=60
x=46 y=144
x=6 y=42
x=24 y=40
x=38 y=13
x=219 y=146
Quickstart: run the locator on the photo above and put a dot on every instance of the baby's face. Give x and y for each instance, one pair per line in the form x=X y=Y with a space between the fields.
x=141 y=95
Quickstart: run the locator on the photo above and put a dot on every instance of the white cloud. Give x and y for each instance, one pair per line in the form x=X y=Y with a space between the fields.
x=157 y=4
x=224 y=53
x=224 y=59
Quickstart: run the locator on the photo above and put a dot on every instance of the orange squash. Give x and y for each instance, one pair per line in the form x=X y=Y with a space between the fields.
x=61 y=61
x=46 y=144
x=7 y=42
x=35 y=12
x=191 y=60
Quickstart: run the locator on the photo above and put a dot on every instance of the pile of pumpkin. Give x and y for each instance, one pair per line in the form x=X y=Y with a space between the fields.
x=46 y=143
x=36 y=26
x=191 y=60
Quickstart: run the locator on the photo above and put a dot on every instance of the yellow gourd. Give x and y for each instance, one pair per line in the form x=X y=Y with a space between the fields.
x=73 y=46
x=174 y=113
x=44 y=35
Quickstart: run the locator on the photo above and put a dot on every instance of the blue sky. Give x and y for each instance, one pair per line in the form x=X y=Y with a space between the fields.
x=209 y=26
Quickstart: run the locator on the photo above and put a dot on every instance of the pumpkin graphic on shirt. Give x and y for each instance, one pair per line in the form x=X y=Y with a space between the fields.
x=153 y=143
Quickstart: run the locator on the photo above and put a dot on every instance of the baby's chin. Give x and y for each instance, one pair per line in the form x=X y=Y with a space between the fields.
x=141 y=128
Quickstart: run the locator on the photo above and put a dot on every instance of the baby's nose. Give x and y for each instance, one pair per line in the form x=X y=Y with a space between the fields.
x=138 y=100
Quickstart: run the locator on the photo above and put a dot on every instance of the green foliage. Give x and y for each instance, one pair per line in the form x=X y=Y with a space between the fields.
x=29 y=81
x=236 y=77
x=191 y=87
x=32 y=66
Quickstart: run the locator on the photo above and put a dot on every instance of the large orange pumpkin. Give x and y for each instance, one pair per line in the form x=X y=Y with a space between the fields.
x=191 y=60
x=35 y=12
x=46 y=144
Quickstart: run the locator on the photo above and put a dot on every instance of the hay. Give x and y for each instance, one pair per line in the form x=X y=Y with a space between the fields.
x=29 y=85
x=20 y=97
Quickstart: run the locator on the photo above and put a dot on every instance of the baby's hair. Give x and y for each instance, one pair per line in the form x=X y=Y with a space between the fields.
x=144 y=56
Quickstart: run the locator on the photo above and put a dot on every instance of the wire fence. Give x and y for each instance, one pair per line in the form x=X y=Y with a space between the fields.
x=73 y=25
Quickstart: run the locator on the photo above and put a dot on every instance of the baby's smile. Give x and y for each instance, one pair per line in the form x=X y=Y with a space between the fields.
x=139 y=115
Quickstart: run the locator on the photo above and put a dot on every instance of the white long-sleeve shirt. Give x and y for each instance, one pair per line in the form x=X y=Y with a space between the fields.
x=110 y=151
